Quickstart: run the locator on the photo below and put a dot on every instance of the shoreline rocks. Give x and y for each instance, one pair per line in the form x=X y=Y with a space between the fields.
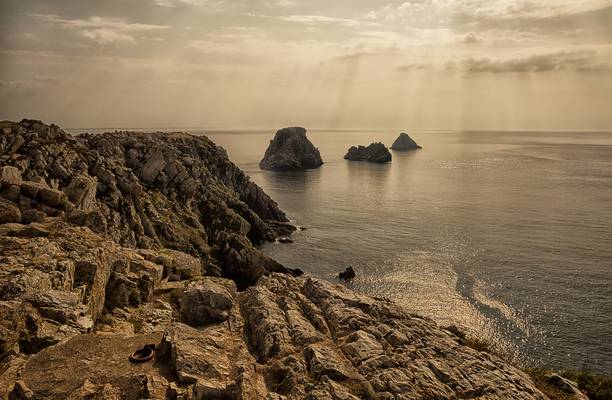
x=290 y=150
x=404 y=143
x=374 y=153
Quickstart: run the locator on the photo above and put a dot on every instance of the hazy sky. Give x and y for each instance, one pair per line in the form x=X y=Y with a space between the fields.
x=457 y=64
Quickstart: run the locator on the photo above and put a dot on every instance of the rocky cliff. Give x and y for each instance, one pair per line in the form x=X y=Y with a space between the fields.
x=290 y=150
x=111 y=242
x=404 y=143
x=374 y=153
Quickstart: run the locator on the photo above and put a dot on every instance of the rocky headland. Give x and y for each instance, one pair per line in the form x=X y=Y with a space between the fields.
x=374 y=153
x=404 y=143
x=110 y=242
x=290 y=150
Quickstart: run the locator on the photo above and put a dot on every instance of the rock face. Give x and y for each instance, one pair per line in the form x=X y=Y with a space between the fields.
x=404 y=143
x=290 y=150
x=149 y=191
x=90 y=272
x=375 y=153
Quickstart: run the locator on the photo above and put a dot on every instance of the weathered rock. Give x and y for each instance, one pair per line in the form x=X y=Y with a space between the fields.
x=82 y=192
x=150 y=191
x=290 y=150
x=9 y=176
x=374 y=153
x=404 y=143
x=9 y=212
x=206 y=301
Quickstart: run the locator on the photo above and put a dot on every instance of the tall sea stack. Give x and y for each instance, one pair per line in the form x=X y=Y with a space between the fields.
x=290 y=150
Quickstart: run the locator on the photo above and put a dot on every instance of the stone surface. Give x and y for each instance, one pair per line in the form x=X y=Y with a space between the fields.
x=374 y=153
x=290 y=150
x=9 y=212
x=404 y=143
x=206 y=301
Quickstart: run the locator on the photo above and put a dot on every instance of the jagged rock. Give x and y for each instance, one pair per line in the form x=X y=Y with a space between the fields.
x=404 y=143
x=207 y=300
x=374 y=153
x=150 y=191
x=82 y=192
x=290 y=150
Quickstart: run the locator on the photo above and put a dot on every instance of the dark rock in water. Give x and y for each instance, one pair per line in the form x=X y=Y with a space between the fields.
x=284 y=240
x=290 y=150
x=348 y=273
x=375 y=153
x=404 y=143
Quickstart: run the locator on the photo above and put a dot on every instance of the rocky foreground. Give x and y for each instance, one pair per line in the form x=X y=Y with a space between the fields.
x=114 y=241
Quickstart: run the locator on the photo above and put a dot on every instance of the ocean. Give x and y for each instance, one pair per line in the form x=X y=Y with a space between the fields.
x=507 y=234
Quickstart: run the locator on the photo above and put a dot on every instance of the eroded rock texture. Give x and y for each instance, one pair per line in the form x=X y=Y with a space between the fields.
x=144 y=190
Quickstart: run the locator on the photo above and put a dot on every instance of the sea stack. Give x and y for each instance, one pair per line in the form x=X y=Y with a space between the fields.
x=404 y=143
x=290 y=150
x=374 y=153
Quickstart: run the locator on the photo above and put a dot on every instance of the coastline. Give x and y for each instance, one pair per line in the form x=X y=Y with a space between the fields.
x=115 y=238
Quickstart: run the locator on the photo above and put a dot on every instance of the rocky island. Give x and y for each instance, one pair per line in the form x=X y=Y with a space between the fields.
x=290 y=150
x=404 y=143
x=374 y=153
x=116 y=241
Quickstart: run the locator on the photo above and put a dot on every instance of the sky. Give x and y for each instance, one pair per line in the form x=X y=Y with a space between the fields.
x=230 y=64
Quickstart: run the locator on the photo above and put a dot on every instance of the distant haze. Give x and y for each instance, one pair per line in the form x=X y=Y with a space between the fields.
x=437 y=64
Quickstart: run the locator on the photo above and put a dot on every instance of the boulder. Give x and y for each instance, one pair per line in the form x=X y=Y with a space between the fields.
x=9 y=212
x=206 y=301
x=9 y=176
x=374 y=153
x=404 y=143
x=290 y=150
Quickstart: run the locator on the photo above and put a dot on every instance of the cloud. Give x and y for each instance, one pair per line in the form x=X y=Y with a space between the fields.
x=176 y=3
x=579 y=60
x=101 y=30
x=26 y=88
x=320 y=19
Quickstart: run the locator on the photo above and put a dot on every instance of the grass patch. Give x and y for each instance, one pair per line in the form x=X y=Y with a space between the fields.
x=595 y=386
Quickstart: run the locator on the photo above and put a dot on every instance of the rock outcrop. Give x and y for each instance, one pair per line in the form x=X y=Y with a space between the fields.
x=374 y=153
x=90 y=272
x=142 y=190
x=404 y=143
x=290 y=150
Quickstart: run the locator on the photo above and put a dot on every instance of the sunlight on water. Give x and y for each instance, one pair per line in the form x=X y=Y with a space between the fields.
x=507 y=234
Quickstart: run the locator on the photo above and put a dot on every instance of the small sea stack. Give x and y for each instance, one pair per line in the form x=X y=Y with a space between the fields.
x=404 y=143
x=347 y=274
x=374 y=153
x=290 y=150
